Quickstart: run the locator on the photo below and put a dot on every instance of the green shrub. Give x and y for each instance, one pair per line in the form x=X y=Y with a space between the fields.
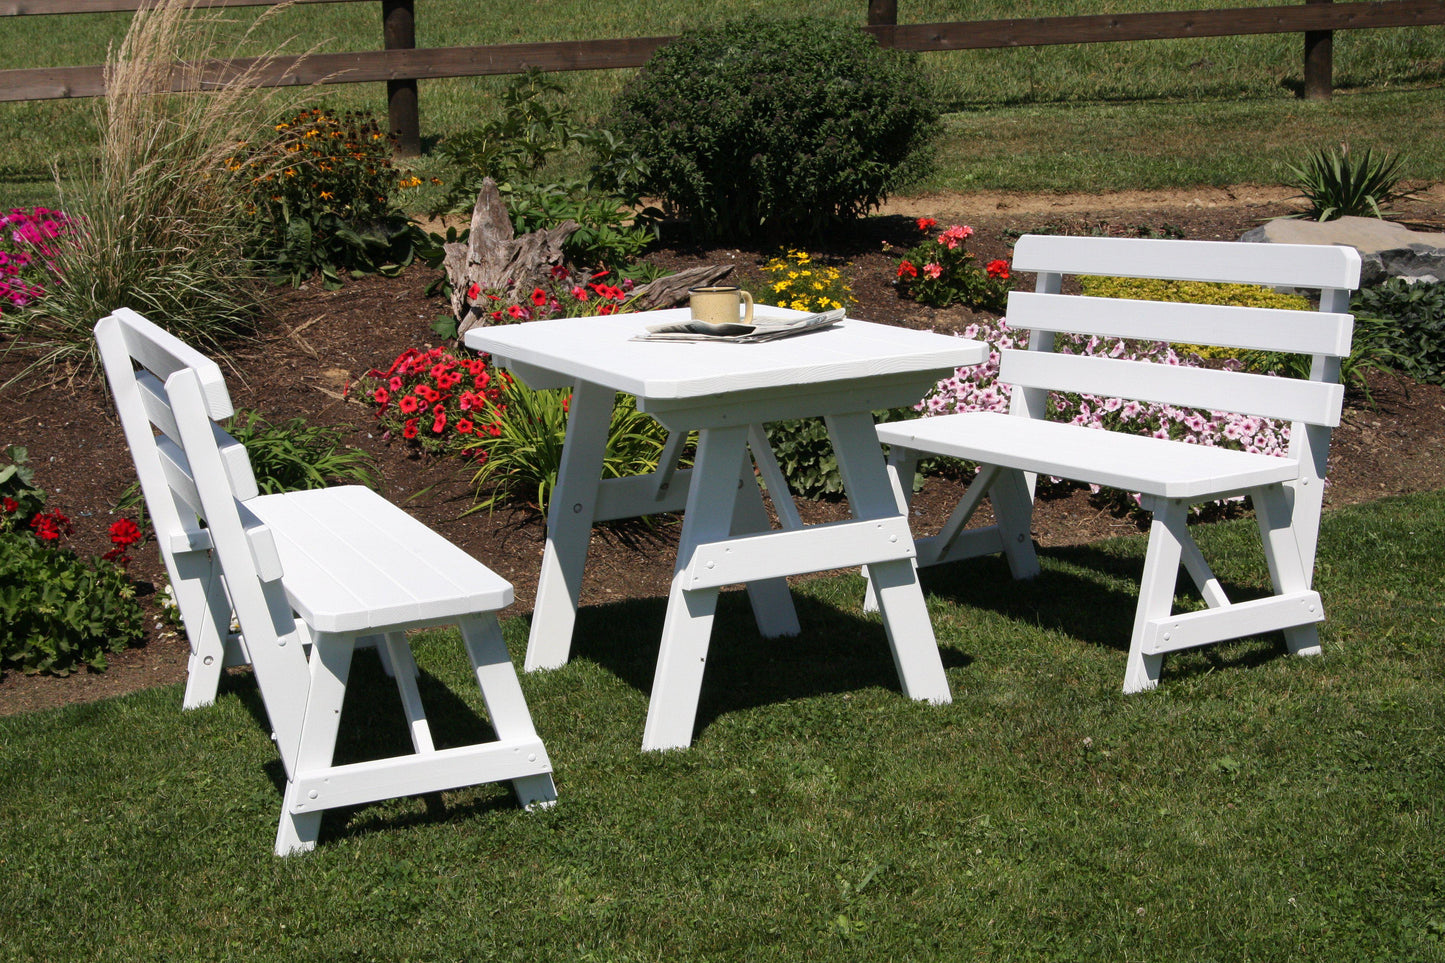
x=1339 y=184
x=1412 y=317
x=324 y=199
x=777 y=128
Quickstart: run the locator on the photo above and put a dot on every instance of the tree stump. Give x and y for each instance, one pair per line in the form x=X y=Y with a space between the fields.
x=672 y=290
x=493 y=259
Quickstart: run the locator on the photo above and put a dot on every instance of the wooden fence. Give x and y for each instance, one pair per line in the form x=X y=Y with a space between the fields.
x=401 y=65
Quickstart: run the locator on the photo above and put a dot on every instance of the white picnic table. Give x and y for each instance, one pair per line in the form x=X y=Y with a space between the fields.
x=727 y=392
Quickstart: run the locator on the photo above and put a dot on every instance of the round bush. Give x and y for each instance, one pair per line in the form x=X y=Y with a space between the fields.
x=777 y=129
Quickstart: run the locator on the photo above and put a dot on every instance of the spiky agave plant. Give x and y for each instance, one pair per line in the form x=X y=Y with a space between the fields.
x=1338 y=183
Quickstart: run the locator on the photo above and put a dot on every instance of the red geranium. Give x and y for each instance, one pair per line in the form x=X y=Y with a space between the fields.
x=998 y=268
x=906 y=269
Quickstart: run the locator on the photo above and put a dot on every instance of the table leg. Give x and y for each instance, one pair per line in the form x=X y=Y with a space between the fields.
x=569 y=527
x=771 y=599
x=895 y=583
x=687 y=629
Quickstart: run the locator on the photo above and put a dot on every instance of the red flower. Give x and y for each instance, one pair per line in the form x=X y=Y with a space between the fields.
x=579 y=292
x=925 y=223
x=482 y=380
x=440 y=421
x=474 y=291
x=124 y=532
x=409 y=405
x=517 y=311
x=539 y=297
x=558 y=272
x=463 y=426
x=409 y=429
x=906 y=269
x=998 y=268
x=10 y=505
x=381 y=396
x=428 y=394
x=49 y=526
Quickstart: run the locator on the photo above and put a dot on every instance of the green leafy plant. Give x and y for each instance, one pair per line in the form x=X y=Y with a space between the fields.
x=942 y=271
x=777 y=129
x=324 y=199
x=1412 y=319
x=521 y=462
x=515 y=149
x=795 y=280
x=294 y=456
x=1337 y=183
x=57 y=610
x=805 y=453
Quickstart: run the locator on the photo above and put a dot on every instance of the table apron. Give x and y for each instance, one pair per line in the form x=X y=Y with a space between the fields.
x=789 y=402
x=748 y=558
x=639 y=495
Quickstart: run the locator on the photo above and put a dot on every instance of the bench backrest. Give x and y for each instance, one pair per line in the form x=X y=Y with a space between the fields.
x=196 y=480
x=1324 y=335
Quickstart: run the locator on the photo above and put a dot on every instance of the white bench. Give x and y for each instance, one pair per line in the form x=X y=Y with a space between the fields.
x=308 y=576
x=1285 y=492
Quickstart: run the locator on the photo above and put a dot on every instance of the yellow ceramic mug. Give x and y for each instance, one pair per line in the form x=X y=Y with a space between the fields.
x=719 y=305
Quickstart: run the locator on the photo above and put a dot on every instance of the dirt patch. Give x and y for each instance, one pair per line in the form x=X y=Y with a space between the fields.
x=321 y=340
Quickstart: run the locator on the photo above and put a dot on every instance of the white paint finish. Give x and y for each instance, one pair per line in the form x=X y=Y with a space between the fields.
x=814 y=549
x=325 y=570
x=726 y=392
x=1286 y=492
x=1261 y=329
x=598 y=349
x=1274 y=265
x=1134 y=463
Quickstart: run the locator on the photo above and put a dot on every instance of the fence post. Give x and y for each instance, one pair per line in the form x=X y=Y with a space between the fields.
x=1319 y=62
x=398 y=29
x=883 y=13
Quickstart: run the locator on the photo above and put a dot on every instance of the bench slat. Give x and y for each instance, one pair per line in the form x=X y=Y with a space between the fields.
x=1288 y=399
x=1260 y=329
x=163 y=354
x=1133 y=463
x=1275 y=265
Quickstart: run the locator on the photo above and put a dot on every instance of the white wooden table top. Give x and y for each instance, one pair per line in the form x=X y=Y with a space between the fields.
x=599 y=350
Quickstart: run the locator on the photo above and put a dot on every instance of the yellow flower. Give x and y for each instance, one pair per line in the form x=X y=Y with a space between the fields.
x=327 y=195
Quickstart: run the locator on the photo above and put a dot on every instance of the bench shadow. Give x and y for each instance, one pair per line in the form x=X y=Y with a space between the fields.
x=373 y=726
x=1078 y=600
x=837 y=651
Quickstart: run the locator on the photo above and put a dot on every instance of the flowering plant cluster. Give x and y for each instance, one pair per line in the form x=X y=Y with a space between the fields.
x=794 y=281
x=941 y=271
x=977 y=388
x=437 y=401
x=28 y=240
x=324 y=195
x=562 y=294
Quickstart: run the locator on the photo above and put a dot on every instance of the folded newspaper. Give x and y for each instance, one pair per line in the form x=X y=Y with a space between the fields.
x=762 y=329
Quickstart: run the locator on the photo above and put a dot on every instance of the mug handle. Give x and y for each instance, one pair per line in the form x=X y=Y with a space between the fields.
x=748 y=313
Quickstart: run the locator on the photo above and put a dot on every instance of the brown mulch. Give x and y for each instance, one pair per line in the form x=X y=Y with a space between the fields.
x=321 y=340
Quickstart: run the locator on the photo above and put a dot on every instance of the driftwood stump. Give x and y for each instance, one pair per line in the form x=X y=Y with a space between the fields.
x=494 y=260
x=672 y=290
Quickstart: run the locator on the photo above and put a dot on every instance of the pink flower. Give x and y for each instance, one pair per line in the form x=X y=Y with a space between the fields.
x=933 y=270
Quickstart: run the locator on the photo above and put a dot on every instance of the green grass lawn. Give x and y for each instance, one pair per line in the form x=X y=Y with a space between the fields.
x=1255 y=807
x=1173 y=113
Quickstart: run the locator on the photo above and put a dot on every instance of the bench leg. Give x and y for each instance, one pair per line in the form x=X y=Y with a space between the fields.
x=1167 y=534
x=398 y=655
x=330 y=666
x=1013 y=509
x=206 y=612
x=1282 y=552
x=902 y=464
x=502 y=692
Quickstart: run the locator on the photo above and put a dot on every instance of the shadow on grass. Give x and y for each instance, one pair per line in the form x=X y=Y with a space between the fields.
x=837 y=651
x=1079 y=594
x=373 y=726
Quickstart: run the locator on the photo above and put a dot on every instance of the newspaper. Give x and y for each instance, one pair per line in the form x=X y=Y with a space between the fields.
x=762 y=329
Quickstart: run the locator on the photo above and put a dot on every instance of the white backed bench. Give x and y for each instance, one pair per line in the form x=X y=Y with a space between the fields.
x=309 y=575
x=1286 y=492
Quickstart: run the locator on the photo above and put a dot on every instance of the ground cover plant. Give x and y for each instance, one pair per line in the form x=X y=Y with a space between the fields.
x=1041 y=815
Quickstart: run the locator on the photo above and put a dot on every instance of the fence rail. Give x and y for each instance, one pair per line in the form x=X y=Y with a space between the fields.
x=401 y=65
